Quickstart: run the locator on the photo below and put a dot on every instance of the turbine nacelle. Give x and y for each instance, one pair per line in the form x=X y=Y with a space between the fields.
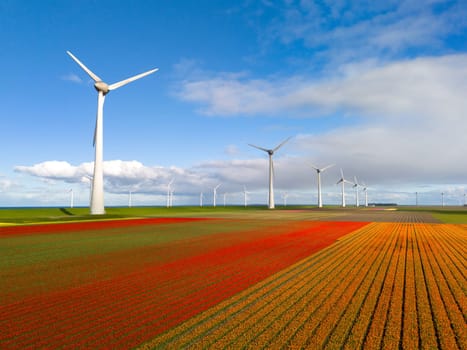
x=100 y=86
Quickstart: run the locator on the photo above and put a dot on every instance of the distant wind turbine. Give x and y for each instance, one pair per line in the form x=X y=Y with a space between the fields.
x=71 y=198
x=245 y=196
x=129 y=198
x=271 y=152
x=169 y=187
x=343 y=181
x=319 y=171
x=284 y=197
x=442 y=199
x=97 y=197
x=356 y=185
x=201 y=199
x=365 y=189
x=215 y=195
x=171 y=197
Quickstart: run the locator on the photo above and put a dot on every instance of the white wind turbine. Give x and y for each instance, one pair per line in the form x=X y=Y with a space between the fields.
x=215 y=195
x=365 y=189
x=97 y=196
x=343 y=181
x=201 y=199
x=245 y=196
x=71 y=198
x=169 y=188
x=271 y=152
x=319 y=171
x=356 y=185
x=284 y=197
x=171 y=198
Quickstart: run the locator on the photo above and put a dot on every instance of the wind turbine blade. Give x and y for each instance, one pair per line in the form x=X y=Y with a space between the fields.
x=129 y=80
x=342 y=173
x=314 y=167
x=86 y=69
x=338 y=182
x=260 y=148
x=327 y=167
x=282 y=144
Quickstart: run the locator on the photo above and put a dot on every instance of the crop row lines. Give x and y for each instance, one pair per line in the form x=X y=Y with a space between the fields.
x=195 y=330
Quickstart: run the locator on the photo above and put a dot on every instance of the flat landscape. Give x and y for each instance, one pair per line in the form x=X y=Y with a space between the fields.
x=297 y=277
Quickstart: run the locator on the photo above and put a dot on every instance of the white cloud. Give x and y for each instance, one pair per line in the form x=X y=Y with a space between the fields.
x=409 y=126
x=432 y=86
x=72 y=77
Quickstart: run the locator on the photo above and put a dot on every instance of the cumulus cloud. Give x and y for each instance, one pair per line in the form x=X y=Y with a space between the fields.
x=432 y=86
x=409 y=117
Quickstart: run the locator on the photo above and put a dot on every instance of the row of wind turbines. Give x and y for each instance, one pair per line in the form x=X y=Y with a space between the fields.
x=342 y=180
x=97 y=185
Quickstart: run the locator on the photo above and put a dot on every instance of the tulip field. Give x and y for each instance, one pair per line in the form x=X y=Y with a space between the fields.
x=385 y=286
x=230 y=282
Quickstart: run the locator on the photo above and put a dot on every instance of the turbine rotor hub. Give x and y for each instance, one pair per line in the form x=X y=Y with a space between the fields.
x=101 y=86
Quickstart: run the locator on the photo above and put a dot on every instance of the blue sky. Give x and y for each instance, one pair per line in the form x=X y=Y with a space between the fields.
x=377 y=88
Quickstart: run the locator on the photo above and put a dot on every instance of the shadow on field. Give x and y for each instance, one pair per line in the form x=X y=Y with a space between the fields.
x=63 y=210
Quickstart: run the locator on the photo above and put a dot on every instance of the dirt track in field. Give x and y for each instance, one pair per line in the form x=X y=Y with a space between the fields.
x=341 y=214
x=378 y=215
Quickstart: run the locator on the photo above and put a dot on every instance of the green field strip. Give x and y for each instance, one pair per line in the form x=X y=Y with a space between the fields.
x=194 y=330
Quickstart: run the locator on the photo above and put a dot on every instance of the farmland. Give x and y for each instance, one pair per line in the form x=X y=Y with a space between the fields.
x=261 y=279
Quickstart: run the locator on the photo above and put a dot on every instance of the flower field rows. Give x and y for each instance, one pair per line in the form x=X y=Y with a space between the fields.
x=385 y=286
x=180 y=275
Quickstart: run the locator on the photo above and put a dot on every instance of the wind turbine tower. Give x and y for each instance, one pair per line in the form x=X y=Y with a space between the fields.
x=343 y=181
x=71 y=198
x=201 y=199
x=245 y=196
x=129 y=199
x=215 y=195
x=319 y=171
x=97 y=196
x=169 y=188
x=355 y=185
x=365 y=189
x=271 y=152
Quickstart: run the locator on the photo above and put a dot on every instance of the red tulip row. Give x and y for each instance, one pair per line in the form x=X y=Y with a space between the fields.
x=125 y=311
x=88 y=225
x=384 y=286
